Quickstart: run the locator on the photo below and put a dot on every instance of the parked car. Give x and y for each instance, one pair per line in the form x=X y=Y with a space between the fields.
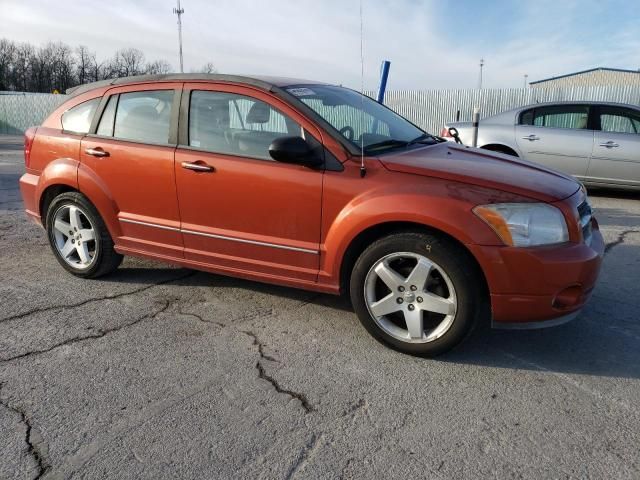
x=598 y=143
x=312 y=186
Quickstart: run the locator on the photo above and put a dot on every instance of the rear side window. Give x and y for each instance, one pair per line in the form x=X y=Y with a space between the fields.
x=143 y=116
x=562 y=116
x=78 y=119
x=235 y=124
x=619 y=120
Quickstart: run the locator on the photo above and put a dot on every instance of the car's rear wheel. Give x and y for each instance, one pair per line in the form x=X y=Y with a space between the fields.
x=418 y=293
x=78 y=237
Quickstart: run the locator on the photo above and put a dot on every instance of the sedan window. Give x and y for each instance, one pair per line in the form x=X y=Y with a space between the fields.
x=619 y=120
x=562 y=116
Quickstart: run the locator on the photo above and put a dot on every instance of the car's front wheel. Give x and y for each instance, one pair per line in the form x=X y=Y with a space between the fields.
x=418 y=293
x=78 y=237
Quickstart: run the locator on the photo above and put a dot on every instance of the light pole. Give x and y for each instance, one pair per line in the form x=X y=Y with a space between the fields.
x=179 y=11
x=481 y=65
x=525 y=80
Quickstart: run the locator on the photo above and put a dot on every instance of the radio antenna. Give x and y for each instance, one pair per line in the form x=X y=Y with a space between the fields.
x=363 y=170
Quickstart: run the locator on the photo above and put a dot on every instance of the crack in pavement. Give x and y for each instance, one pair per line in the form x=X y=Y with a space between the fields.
x=301 y=397
x=260 y=346
x=32 y=438
x=99 y=299
x=304 y=456
x=200 y=318
x=98 y=334
x=621 y=239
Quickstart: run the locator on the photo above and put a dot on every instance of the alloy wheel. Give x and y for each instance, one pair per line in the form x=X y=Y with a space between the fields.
x=410 y=297
x=75 y=237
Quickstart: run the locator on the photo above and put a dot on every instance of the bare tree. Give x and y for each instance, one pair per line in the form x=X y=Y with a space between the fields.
x=7 y=59
x=158 y=67
x=129 y=62
x=208 y=67
x=56 y=66
x=84 y=64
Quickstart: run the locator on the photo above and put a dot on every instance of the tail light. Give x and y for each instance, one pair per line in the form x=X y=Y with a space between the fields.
x=29 y=136
x=444 y=133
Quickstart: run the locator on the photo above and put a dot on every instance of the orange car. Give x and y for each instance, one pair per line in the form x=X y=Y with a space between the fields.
x=312 y=186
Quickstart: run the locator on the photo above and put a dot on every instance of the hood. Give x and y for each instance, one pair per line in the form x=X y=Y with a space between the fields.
x=483 y=168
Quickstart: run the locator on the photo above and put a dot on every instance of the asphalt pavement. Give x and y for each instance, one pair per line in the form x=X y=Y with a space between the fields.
x=162 y=372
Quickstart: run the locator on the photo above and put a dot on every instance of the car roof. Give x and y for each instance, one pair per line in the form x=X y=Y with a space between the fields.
x=264 y=82
x=573 y=102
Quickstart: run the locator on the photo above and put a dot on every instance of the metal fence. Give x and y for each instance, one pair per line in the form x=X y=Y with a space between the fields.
x=429 y=109
x=432 y=109
x=21 y=111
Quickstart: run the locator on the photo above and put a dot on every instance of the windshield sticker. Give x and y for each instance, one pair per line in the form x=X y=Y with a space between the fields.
x=301 y=91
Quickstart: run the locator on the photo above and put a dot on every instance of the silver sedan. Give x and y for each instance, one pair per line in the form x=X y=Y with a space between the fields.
x=598 y=143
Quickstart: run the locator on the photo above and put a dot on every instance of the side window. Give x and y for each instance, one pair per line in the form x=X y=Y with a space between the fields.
x=144 y=116
x=562 y=116
x=105 y=127
x=78 y=119
x=619 y=120
x=236 y=124
x=526 y=117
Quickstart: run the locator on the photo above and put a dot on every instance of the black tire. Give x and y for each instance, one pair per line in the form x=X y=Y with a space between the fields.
x=459 y=266
x=106 y=259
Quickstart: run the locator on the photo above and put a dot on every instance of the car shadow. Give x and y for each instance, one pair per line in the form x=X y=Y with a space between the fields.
x=603 y=341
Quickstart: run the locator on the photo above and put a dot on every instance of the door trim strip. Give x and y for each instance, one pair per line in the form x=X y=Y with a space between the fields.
x=222 y=237
x=147 y=224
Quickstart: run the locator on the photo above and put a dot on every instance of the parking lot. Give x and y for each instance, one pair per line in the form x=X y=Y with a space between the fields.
x=161 y=371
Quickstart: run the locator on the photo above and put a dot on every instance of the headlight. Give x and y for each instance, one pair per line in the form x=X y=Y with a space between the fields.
x=525 y=224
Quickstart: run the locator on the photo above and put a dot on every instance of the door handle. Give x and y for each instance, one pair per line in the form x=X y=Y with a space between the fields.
x=531 y=138
x=197 y=167
x=96 y=152
x=609 y=144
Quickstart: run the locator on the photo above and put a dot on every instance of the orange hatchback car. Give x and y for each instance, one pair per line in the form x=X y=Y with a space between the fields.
x=312 y=186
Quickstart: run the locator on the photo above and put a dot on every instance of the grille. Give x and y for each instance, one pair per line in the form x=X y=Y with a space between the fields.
x=584 y=213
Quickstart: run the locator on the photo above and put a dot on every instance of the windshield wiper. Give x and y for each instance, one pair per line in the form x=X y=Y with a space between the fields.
x=392 y=142
x=422 y=138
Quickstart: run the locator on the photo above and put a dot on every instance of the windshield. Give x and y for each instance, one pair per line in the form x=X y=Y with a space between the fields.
x=361 y=120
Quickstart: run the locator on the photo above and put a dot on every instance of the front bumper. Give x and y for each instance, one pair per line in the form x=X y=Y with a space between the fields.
x=539 y=287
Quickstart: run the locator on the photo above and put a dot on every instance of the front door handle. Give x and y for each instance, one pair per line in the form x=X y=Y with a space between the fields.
x=197 y=167
x=609 y=144
x=96 y=152
x=531 y=138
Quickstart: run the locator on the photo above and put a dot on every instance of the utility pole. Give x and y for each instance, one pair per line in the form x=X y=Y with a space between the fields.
x=525 y=80
x=179 y=11
x=481 y=65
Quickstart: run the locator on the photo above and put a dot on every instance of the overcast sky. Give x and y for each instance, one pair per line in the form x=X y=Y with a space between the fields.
x=430 y=43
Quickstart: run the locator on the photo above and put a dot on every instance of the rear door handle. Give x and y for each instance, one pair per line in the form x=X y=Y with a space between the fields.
x=609 y=144
x=197 y=167
x=531 y=138
x=96 y=152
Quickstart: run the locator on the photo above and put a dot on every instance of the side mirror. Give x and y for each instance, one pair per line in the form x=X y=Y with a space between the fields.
x=294 y=150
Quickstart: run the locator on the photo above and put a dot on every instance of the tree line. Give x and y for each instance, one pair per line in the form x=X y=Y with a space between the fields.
x=56 y=66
